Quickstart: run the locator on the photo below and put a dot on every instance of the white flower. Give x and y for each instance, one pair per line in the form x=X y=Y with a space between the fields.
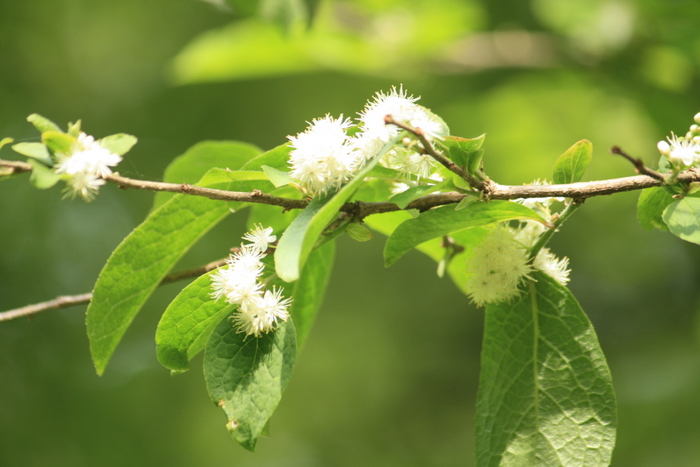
x=496 y=266
x=260 y=238
x=238 y=281
x=323 y=157
x=261 y=313
x=680 y=150
x=402 y=108
x=86 y=165
x=554 y=267
x=396 y=103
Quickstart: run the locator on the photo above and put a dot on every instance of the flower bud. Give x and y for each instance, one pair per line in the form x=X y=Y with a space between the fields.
x=697 y=118
x=664 y=148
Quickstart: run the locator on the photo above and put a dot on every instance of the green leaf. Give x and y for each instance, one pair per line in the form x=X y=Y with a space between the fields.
x=186 y=324
x=299 y=238
x=146 y=255
x=445 y=220
x=42 y=177
x=5 y=141
x=58 y=142
x=545 y=391
x=683 y=218
x=246 y=376
x=650 y=207
x=42 y=123
x=358 y=232
x=465 y=152
x=309 y=290
x=198 y=159
x=571 y=165
x=188 y=321
x=405 y=198
x=36 y=151
x=277 y=177
x=119 y=143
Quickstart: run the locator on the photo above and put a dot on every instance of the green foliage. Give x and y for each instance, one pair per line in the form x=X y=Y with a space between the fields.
x=545 y=391
x=119 y=144
x=446 y=220
x=570 y=166
x=187 y=323
x=650 y=207
x=36 y=151
x=683 y=218
x=141 y=261
x=246 y=376
x=197 y=160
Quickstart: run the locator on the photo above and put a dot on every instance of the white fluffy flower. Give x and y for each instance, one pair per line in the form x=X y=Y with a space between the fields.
x=681 y=150
x=260 y=238
x=258 y=310
x=322 y=157
x=260 y=314
x=554 y=267
x=496 y=266
x=86 y=165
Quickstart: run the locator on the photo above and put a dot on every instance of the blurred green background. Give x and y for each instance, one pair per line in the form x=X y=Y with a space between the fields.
x=389 y=374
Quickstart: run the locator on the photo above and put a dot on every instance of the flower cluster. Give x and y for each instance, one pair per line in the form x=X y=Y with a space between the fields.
x=500 y=263
x=85 y=166
x=683 y=151
x=325 y=156
x=238 y=282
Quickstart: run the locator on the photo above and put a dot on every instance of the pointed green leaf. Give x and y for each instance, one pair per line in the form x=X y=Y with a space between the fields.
x=198 y=159
x=145 y=256
x=465 y=152
x=299 y=238
x=36 y=151
x=277 y=177
x=58 y=141
x=186 y=324
x=545 y=391
x=119 y=143
x=5 y=141
x=650 y=207
x=571 y=165
x=404 y=198
x=445 y=220
x=309 y=290
x=42 y=177
x=188 y=321
x=358 y=232
x=246 y=376
x=42 y=123
x=683 y=218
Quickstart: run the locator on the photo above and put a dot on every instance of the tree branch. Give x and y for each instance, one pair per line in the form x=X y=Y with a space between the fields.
x=360 y=209
x=71 y=300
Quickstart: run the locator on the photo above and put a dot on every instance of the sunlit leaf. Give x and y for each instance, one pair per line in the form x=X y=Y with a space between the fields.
x=42 y=123
x=198 y=159
x=119 y=143
x=683 y=218
x=36 y=151
x=145 y=256
x=650 y=207
x=570 y=166
x=445 y=220
x=545 y=391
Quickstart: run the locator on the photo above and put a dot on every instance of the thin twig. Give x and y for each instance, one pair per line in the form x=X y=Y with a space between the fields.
x=432 y=152
x=81 y=299
x=639 y=166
